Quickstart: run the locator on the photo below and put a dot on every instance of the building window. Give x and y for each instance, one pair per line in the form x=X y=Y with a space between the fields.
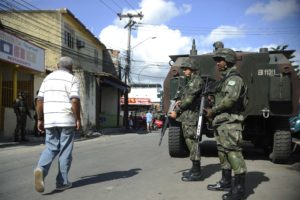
x=69 y=37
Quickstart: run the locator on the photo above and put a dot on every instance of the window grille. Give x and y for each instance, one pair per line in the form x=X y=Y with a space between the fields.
x=69 y=37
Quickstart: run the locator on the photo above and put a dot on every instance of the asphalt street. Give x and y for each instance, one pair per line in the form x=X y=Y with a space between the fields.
x=133 y=166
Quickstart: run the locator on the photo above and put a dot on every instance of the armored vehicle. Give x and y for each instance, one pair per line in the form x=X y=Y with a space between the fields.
x=273 y=93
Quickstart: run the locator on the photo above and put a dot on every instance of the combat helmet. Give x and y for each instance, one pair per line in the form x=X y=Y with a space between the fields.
x=227 y=54
x=187 y=64
x=218 y=45
x=22 y=94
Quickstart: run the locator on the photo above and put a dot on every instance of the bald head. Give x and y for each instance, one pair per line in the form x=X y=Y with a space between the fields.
x=65 y=63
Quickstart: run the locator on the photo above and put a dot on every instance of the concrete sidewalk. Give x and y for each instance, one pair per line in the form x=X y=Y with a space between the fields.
x=33 y=140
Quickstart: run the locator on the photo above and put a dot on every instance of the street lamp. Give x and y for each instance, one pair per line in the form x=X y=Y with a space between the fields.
x=143 y=41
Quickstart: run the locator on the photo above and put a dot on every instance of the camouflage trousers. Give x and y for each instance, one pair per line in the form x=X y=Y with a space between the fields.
x=189 y=134
x=20 y=129
x=229 y=138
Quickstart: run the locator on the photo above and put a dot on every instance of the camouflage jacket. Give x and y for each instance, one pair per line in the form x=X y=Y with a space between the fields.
x=188 y=110
x=227 y=104
x=20 y=107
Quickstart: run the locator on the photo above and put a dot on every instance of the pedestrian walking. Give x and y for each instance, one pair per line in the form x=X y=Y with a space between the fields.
x=149 y=118
x=58 y=112
x=229 y=102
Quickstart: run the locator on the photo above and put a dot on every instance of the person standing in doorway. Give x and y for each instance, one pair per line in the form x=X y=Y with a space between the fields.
x=21 y=110
x=58 y=112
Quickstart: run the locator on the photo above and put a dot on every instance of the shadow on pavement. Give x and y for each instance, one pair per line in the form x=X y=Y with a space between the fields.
x=92 y=179
x=209 y=170
x=87 y=180
x=253 y=180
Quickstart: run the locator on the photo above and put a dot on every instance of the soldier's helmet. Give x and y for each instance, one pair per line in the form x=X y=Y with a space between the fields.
x=22 y=94
x=187 y=64
x=227 y=54
x=218 y=45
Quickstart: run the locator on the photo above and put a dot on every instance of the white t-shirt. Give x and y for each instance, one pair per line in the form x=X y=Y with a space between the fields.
x=57 y=90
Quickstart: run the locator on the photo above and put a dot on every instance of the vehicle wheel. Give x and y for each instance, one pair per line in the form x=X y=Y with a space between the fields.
x=177 y=146
x=281 y=147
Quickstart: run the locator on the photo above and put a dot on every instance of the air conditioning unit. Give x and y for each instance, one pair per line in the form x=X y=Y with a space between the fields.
x=80 y=44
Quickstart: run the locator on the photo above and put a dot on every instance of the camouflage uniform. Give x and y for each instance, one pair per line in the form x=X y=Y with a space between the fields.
x=21 y=111
x=188 y=113
x=227 y=122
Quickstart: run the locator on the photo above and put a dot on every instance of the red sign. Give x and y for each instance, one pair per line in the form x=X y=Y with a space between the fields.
x=136 y=101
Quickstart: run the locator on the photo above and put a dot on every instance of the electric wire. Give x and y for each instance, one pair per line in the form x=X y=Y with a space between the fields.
x=107 y=6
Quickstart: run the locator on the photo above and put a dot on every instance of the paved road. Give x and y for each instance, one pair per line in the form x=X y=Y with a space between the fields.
x=132 y=166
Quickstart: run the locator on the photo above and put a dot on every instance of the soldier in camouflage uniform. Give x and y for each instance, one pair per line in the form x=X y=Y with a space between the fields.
x=218 y=45
x=21 y=111
x=187 y=112
x=227 y=122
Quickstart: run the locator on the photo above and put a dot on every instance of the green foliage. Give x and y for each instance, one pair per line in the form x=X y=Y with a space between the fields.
x=289 y=56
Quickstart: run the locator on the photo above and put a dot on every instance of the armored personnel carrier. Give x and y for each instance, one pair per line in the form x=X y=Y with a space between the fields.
x=273 y=93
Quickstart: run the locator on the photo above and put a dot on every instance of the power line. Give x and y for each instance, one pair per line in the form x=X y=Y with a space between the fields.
x=158 y=77
x=225 y=31
x=129 y=25
x=117 y=5
x=130 y=5
x=55 y=47
x=107 y=6
x=56 y=34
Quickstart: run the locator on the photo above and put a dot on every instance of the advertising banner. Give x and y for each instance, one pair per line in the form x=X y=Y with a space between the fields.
x=18 y=51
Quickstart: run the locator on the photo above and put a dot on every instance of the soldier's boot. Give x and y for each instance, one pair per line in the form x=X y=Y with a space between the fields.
x=23 y=138
x=16 y=136
x=238 y=190
x=16 y=139
x=194 y=174
x=195 y=165
x=224 y=184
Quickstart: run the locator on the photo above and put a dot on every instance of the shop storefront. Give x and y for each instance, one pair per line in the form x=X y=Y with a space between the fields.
x=21 y=62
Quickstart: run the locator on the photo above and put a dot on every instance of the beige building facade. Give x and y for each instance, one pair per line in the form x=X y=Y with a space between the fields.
x=53 y=34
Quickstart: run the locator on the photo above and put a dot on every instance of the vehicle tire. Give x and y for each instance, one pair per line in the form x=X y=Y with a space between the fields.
x=281 y=147
x=177 y=146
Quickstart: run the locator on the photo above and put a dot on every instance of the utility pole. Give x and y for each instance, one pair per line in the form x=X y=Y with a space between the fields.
x=130 y=24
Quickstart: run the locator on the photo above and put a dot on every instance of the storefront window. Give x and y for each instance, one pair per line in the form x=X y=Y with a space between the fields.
x=24 y=84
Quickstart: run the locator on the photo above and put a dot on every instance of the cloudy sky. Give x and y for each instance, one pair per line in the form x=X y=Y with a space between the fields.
x=169 y=26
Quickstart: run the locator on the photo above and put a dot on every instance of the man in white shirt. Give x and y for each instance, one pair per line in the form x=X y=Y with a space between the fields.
x=58 y=113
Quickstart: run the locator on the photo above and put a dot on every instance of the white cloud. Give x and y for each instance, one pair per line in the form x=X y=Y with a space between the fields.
x=160 y=11
x=154 y=52
x=275 y=9
x=221 y=33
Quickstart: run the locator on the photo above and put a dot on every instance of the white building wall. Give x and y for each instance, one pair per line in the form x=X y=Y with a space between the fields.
x=10 y=123
x=87 y=98
x=145 y=92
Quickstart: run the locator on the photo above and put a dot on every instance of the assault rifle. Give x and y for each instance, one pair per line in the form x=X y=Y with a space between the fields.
x=166 y=123
x=207 y=89
x=171 y=108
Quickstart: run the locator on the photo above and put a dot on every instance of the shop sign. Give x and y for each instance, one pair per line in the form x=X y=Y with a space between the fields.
x=18 y=51
x=137 y=101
